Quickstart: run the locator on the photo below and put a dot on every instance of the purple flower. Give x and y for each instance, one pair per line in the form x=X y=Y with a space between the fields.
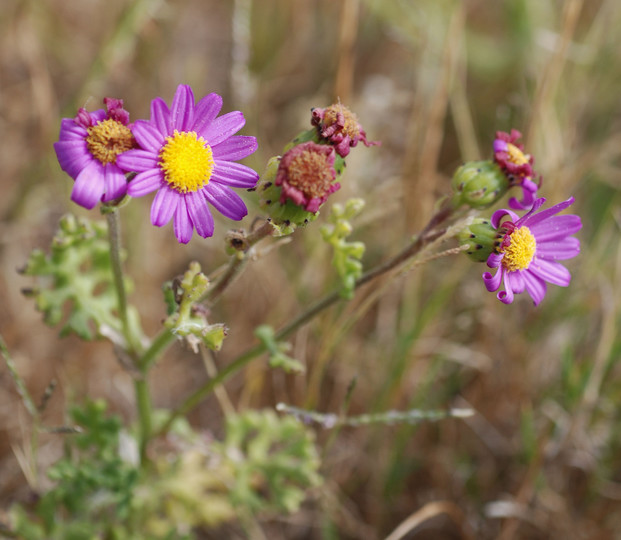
x=340 y=127
x=526 y=255
x=188 y=156
x=306 y=175
x=88 y=148
x=517 y=166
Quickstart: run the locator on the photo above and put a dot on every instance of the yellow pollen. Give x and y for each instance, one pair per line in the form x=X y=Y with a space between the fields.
x=521 y=250
x=351 y=122
x=311 y=174
x=107 y=139
x=516 y=155
x=187 y=161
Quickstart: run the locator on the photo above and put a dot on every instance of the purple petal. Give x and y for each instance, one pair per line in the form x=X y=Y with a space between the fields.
x=160 y=116
x=494 y=260
x=114 y=181
x=234 y=174
x=182 y=109
x=70 y=131
x=530 y=220
x=517 y=282
x=550 y=271
x=200 y=214
x=500 y=145
x=506 y=296
x=164 y=206
x=206 y=111
x=145 y=182
x=98 y=116
x=235 y=148
x=148 y=136
x=556 y=228
x=225 y=200
x=534 y=286
x=89 y=186
x=182 y=222
x=499 y=214
x=72 y=156
x=137 y=160
x=561 y=250
x=222 y=128
x=493 y=282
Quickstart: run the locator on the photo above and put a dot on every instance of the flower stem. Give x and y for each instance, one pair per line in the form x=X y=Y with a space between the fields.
x=155 y=350
x=243 y=245
x=132 y=342
x=143 y=402
x=114 y=236
x=428 y=234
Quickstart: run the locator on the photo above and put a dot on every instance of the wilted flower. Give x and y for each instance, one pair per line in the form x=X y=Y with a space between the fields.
x=529 y=248
x=88 y=148
x=340 y=127
x=518 y=167
x=187 y=155
x=306 y=175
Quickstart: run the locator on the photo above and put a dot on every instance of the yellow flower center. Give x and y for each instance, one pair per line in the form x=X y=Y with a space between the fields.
x=516 y=155
x=351 y=122
x=311 y=173
x=107 y=139
x=187 y=161
x=520 y=251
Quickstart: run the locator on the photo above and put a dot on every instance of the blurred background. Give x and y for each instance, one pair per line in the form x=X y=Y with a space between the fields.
x=433 y=80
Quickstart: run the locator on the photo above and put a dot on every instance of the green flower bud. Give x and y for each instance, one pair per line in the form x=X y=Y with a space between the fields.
x=478 y=184
x=481 y=238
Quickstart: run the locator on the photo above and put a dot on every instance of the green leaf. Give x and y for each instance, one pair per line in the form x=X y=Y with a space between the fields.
x=76 y=277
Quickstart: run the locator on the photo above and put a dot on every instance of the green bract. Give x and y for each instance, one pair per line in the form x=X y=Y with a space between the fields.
x=478 y=184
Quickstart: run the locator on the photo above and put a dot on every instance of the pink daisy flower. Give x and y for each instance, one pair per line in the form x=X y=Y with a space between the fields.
x=187 y=154
x=530 y=246
x=88 y=148
x=518 y=167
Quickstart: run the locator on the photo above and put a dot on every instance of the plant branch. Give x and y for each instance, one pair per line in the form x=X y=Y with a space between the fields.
x=428 y=234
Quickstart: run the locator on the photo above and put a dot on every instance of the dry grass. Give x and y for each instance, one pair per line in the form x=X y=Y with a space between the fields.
x=433 y=80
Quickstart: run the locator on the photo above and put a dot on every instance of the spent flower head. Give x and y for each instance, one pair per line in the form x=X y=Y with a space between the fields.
x=88 y=148
x=528 y=249
x=188 y=155
x=518 y=166
x=306 y=175
x=340 y=128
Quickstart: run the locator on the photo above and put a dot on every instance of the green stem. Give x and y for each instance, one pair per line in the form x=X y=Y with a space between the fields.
x=428 y=235
x=143 y=402
x=114 y=236
x=243 y=245
x=132 y=342
x=155 y=350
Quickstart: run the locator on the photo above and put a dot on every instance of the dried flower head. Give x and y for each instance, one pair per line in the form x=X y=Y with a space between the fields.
x=340 y=127
x=88 y=148
x=306 y=175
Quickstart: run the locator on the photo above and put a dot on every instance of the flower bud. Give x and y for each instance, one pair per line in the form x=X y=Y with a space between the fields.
x=478 y=184
x=481 y=238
